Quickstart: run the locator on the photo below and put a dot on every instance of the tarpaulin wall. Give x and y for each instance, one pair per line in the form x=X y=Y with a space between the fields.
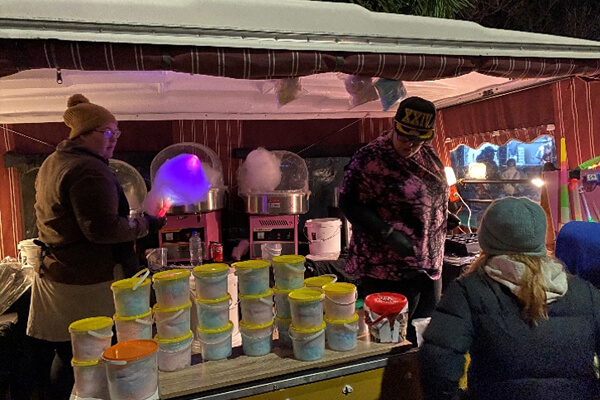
x=577 y=116
x=522 y=116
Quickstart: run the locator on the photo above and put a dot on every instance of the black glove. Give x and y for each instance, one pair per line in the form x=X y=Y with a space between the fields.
x=400 y=243
x=155 y=223
x=452 y=222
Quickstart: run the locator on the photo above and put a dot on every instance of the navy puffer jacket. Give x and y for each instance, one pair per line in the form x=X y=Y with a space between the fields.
x=509 y=358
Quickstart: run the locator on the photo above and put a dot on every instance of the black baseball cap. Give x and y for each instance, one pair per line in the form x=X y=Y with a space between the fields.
x=415 y=114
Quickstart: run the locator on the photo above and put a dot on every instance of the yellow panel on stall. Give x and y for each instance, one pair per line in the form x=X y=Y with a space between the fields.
x=361 y=386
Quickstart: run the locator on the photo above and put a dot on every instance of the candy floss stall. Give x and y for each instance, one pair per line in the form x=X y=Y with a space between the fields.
x=229 y=67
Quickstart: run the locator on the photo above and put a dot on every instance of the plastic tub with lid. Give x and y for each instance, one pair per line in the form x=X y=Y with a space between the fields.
x=132 y=369
x=133 y=328
x=211 y=281
x=132 y=295
x=306 y=306
x=257 y=309
x=174 y=354
x=340 y=300
x=308 y=343
x=172 y=322
x=257 y=340
x=342 y=335
x=386 y=315
x=172 y=287
x=253 y=276
x=289 y=271
x=90 y=337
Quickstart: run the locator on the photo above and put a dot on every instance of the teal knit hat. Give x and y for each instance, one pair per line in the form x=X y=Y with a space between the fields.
x=513 y=225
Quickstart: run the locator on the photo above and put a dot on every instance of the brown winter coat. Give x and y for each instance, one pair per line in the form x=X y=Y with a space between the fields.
x=77 y=210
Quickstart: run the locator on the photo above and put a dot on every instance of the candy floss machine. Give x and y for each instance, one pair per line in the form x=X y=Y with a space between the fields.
x=274 y=186
x=203 y=217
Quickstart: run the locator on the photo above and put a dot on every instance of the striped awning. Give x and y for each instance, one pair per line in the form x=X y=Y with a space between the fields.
x=23 y=54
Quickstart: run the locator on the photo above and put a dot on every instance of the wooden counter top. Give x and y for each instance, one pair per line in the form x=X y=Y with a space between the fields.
x=240 y=369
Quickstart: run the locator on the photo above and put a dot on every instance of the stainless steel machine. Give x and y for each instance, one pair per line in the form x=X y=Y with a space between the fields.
x=274 y=211
x=203 y=217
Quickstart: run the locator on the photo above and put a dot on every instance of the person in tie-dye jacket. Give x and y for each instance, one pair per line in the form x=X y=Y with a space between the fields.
x=395 y=195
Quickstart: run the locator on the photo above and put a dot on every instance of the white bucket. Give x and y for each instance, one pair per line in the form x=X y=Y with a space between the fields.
x=90 y=337
x=257 y=309
x=308 y=344
x=133 y=328
x=172 y=323
x=215 y=343
x=90 y=380
x=270 y=250
x=257 y=340
x=213 y=314
x=342 y=335
x=132 y=369
x=174 y=354
x=29 y=253
x=324 y=237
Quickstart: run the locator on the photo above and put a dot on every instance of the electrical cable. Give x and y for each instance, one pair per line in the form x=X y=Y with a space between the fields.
x=328 y=135
x=469 y=210
x=29 y=137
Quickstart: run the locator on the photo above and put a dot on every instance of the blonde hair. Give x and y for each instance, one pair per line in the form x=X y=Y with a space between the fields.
x=532 y=296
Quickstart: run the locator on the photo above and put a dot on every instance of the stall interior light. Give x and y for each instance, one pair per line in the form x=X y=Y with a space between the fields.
x=537 y=182
x=477 y=171
x=450 y=176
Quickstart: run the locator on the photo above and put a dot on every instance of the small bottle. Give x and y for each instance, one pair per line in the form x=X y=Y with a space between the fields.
x=195 y=250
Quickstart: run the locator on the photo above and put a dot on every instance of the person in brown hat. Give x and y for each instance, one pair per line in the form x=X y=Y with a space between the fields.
x=395 y=194
x=82 y=220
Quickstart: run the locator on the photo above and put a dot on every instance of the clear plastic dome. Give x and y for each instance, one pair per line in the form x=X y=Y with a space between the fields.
x=260 y=174
x=211 y=164
x=132 y=182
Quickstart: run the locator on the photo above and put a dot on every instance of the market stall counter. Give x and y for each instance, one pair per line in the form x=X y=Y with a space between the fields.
x=371 y=371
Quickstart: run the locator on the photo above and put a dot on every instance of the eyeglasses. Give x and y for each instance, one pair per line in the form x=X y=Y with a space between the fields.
x=108 y=133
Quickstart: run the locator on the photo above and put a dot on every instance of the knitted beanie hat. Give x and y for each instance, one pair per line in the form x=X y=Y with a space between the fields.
x=82 y=116
x=513 y=225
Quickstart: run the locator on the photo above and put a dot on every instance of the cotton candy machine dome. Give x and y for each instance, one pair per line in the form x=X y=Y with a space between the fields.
x=132 y=182
x=212 y=167
x=289 y=196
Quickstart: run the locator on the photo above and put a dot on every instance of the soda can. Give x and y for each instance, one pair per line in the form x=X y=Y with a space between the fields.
x=216 y=251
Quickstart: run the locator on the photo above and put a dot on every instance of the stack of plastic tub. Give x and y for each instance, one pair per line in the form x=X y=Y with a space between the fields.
x=256 y=303
x=89 y=338
x=340 y=316
x=172 y=318
x=289 y=275
x=307 y=329
x=213 y=302
x=133 y=317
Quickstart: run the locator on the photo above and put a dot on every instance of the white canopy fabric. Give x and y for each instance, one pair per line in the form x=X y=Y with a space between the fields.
x=156 y=60
x=273 y=24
